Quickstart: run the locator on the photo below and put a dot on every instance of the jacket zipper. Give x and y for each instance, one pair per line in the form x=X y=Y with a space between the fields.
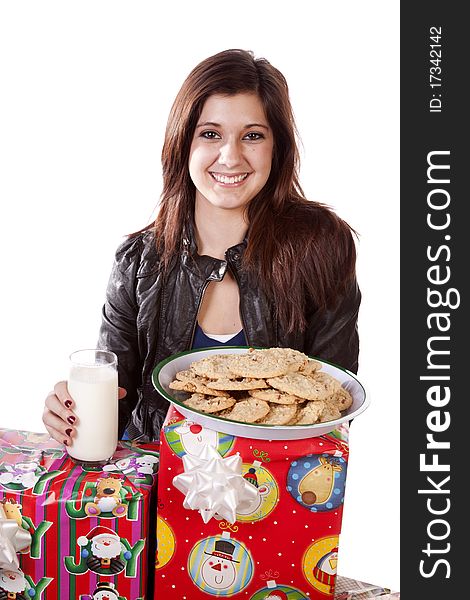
x=235 y=276
x=201 y=297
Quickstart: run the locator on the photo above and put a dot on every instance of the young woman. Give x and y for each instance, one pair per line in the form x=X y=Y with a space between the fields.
x=236 y=254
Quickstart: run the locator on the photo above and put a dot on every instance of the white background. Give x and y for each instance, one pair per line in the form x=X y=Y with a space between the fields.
x=86 y=89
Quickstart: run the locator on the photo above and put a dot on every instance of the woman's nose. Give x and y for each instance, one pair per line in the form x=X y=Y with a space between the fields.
x=230 y=154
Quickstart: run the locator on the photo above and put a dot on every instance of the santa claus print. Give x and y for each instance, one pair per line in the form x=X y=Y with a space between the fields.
x=104 y=555
x=219 y=570
x=12 y=585
x=105 y=591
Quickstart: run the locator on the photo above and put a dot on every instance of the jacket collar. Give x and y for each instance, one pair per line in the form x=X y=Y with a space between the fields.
x=207 y=267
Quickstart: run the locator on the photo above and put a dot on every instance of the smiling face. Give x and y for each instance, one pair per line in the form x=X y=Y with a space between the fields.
x=194 y=438
x=106 y=546
x=12 y=581
x=218 y=573
x=231 y=151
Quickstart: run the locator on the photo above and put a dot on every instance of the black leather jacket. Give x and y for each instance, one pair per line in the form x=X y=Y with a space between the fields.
x=147 y=317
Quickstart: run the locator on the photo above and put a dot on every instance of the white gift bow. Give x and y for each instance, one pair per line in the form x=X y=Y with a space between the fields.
x=214 y=485
x=13 y=538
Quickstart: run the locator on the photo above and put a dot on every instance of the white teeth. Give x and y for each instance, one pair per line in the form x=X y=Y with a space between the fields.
x=226 y=179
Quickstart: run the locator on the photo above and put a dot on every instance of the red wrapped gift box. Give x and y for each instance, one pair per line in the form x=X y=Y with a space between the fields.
x=89 y=527
x=283 y=540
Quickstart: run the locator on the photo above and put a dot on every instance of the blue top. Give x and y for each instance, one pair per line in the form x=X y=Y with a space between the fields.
x=201 y=340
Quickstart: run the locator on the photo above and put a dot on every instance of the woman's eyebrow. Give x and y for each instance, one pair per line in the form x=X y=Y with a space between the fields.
x=209 y=124
x=250 y=125
x=212 y=124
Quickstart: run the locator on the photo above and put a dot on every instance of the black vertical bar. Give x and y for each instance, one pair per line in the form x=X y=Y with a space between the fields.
x=435 y=340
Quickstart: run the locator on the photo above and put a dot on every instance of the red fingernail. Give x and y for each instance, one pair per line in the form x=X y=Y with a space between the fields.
x=71 y=420
x=68 y=432
x=66 y=443
x=68 y=403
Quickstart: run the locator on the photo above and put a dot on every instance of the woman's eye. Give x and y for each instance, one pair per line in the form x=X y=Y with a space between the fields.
x=210 y=135
x=254 y=135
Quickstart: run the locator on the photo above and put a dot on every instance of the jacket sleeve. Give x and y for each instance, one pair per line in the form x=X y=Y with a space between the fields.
x=118 y=332
x=332 y=334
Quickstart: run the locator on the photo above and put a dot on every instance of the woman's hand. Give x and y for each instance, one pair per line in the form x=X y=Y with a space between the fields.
x=58 y=415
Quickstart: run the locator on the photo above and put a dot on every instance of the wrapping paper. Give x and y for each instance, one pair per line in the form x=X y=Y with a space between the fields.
x=215 y=486
x=88 y=527
x=352 y=589
x=283 y=544
x=13 y=538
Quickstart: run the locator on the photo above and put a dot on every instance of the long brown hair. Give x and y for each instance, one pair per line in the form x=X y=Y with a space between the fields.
x=299 y=251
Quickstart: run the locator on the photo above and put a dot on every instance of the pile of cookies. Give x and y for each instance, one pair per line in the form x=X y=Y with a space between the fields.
x=274 y=386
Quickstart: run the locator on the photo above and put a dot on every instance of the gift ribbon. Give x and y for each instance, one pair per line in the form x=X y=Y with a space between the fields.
x=13 y=539
x=214 y=485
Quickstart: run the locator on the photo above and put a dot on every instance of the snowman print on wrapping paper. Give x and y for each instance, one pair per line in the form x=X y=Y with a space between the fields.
x=194 y=437
x=21 y=476
x=105 y=591
x=135 y=465
x=218 y=570
x=268 y=493
x=146 y=464
x=188 y=437
x=220 y=566
x=317 y=482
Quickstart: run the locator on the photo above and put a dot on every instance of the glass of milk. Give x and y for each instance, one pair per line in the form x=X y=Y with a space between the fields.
x=93 y=385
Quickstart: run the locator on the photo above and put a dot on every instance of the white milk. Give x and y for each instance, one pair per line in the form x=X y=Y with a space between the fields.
x=95 y=393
